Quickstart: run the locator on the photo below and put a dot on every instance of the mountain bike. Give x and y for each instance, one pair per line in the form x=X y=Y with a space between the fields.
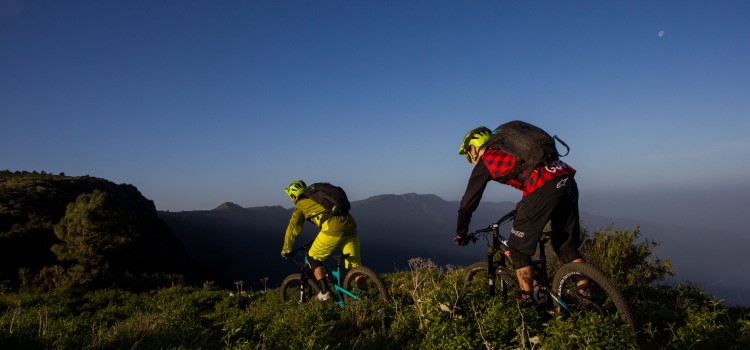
x=302 y=287
x=563 y=295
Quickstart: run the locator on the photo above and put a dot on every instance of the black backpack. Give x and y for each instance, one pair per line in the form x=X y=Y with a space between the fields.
x=528 y=143
x=330 y=197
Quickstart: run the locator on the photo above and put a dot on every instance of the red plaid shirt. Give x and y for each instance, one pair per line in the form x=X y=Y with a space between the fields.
x=500 y=164
x=495 y=165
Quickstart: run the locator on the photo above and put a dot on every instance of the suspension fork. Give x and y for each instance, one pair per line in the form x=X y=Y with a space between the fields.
x=492 y=265
x=304 y=280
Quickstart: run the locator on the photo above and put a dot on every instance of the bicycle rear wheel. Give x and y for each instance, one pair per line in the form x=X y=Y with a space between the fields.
x=372 y=287
x=603 y=298
x=290 y=289
x=476 y=273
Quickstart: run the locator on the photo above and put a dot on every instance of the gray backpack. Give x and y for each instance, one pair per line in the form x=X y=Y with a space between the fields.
x=330 y=197
x=528 y=143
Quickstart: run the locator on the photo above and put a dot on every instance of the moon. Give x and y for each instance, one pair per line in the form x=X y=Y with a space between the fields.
x=661 y=34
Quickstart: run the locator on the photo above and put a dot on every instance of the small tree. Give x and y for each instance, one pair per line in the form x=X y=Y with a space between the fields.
x=94 y=227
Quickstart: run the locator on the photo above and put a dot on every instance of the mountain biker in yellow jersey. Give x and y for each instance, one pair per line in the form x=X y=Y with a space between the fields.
x=549 y=193
x=336 y=231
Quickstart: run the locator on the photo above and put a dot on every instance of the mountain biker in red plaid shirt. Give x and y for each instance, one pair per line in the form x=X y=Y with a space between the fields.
x=549 y=193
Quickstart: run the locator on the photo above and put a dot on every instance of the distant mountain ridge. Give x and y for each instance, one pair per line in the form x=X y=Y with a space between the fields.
x=228 y=206
x=245 y=242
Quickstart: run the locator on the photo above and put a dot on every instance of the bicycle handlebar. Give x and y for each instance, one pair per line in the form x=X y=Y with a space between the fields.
x=300 y=252
x=507 y=217
x=473 y=236
x=304 y=247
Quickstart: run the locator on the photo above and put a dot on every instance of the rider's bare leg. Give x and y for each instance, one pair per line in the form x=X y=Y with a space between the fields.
x=319 y=272
x=524 y=278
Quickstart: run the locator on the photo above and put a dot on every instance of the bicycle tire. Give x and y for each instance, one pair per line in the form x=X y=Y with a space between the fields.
x=374 y=284
x=477 y=272
x=290 y=288
x=605 y=297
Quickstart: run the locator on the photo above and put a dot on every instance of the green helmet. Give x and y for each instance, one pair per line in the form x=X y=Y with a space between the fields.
x=295 y=188
x=476 y=137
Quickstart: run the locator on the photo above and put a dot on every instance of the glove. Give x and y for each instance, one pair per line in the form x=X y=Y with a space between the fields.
x=287 y=255
x=461 y=239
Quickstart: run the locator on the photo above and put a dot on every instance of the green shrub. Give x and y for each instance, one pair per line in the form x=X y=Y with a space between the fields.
x=627 y=262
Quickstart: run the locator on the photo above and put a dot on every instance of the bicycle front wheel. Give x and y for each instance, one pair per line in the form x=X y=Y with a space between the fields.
x=365 y=283
x=290 y=289
x=476 y=273
x=600 y=295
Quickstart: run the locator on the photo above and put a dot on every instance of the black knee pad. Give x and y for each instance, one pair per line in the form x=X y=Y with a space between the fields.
x=520 y=260
x=314 y=263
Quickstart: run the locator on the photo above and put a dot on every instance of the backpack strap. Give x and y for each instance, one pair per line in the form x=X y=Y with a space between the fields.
x=517 y=170
x=309 y=218
x=567 y=149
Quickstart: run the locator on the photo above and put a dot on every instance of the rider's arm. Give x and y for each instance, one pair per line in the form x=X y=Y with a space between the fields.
x=293 y=229
x=473 y=194
x=305 y=209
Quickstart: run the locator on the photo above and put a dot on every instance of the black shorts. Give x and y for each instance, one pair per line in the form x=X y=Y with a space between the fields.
x=557 y=200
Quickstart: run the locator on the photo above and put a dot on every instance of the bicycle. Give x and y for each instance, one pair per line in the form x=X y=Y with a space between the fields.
x=302 y=286
x=563 y=295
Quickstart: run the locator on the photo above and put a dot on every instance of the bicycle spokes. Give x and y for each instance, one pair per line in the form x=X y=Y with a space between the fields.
x=592 y=299
x=362 y=290
x=584 y=290
x=364 y=283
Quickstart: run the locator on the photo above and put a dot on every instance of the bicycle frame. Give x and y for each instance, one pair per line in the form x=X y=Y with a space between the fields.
x=562 y=296
x=336 y=280
x=499 y=244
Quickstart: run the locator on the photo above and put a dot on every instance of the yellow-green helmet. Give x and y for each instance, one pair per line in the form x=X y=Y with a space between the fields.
x=295 y=188
x=476 y=137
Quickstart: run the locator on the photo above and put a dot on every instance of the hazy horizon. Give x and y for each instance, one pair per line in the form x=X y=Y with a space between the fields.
x=721 y=209
x=205 y=102
x=703 y=256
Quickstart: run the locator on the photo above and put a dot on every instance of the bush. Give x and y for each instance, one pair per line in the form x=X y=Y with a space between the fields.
x=628 y=263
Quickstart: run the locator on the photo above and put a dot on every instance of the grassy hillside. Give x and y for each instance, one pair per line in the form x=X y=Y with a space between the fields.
x=430 y=308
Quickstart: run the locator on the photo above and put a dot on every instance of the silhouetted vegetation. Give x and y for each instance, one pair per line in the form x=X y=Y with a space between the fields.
x=68 y=233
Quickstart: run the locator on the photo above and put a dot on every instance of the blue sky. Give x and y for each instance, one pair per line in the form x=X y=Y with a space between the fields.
x=201 y=102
